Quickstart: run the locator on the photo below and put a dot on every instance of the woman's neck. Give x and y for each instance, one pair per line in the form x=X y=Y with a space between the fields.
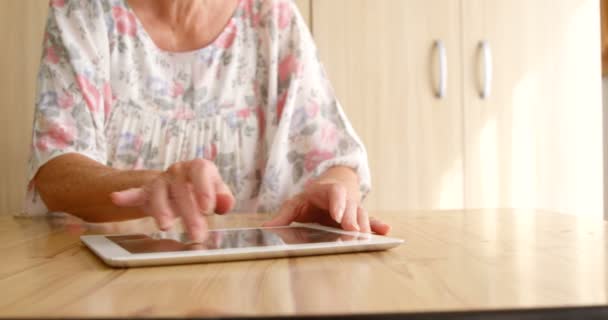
x=184 y=14
x=183 y=25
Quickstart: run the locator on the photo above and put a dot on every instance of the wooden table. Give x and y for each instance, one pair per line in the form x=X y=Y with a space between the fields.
x=452 y=260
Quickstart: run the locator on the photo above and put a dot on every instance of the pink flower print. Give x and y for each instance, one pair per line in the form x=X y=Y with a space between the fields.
x=255 y=20
x=226 y=38
x=312 y=109
x=65 y=100
x=61 y=135
x=125 y=21
x=285 y=14
x=287 y=67
x=210 y=152
x=244 y=113
x=177 y=89
x=183 y=114
x=281 y=104
x=315 y=157
x=42 y=144
x=107 y=99
x=89 y=92
x=248 y=8
x=57 y=3
x=51 y=55
x=329 y=137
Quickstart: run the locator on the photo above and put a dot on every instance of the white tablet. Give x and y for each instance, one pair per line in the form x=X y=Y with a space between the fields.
x=131 y=250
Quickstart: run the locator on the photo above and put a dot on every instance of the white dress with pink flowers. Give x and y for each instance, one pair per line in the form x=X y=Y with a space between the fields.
x=256 y=101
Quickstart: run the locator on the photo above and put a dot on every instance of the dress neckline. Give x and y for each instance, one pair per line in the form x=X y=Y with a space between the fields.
x=145 y=36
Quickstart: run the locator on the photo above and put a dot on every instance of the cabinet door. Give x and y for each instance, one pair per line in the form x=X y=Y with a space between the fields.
x=380 y=56
x=536 y=140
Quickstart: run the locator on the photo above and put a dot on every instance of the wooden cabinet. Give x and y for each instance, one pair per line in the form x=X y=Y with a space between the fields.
x=535 y=140
x=379 y=55
x=21 y=31
x=304 y=7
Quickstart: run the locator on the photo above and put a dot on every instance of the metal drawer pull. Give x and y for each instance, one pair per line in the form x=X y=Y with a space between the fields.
x=442 y=84
x=486 y=51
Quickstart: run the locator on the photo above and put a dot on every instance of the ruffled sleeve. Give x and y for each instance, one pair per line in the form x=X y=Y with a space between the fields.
x=312 y=132
x=73 y=94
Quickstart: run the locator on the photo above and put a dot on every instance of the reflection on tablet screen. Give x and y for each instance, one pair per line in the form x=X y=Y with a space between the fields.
x=226 y=239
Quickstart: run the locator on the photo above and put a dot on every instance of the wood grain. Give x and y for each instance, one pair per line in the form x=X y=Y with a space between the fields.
x=604 y=23
x=452 y=260
x=379 y=56
x=536 y=142
x=21 y=29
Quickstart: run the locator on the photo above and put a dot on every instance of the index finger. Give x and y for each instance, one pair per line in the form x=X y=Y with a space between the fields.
x=185 y=203
x=203 y=175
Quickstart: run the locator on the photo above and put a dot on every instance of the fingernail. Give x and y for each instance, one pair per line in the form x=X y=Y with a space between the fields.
x=340 y=213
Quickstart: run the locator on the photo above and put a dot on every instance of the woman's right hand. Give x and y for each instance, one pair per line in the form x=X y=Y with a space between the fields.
x=188 y=189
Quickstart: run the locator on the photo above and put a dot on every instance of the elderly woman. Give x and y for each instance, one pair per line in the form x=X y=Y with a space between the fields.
x=181 y=108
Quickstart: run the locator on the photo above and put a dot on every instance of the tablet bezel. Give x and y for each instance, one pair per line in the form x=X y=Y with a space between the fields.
x=113 y=254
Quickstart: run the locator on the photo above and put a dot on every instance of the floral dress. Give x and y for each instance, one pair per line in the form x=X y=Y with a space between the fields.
x=256 y=101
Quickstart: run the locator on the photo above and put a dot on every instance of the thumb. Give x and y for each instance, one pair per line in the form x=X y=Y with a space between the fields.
x=133 y=197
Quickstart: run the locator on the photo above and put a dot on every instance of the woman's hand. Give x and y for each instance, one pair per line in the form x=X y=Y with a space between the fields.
x=188 y=190
x=328 y=202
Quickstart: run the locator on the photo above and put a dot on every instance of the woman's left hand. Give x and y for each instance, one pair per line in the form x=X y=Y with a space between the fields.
x=329 y=203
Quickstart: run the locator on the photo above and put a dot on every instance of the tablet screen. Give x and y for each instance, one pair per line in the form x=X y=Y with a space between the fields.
x=226 y=239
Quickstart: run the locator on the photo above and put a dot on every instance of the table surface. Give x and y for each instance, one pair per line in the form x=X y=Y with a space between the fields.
x=451 y=260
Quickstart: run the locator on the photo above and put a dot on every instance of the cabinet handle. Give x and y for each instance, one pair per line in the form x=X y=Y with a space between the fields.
x=443 y=69
x=486 y=52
